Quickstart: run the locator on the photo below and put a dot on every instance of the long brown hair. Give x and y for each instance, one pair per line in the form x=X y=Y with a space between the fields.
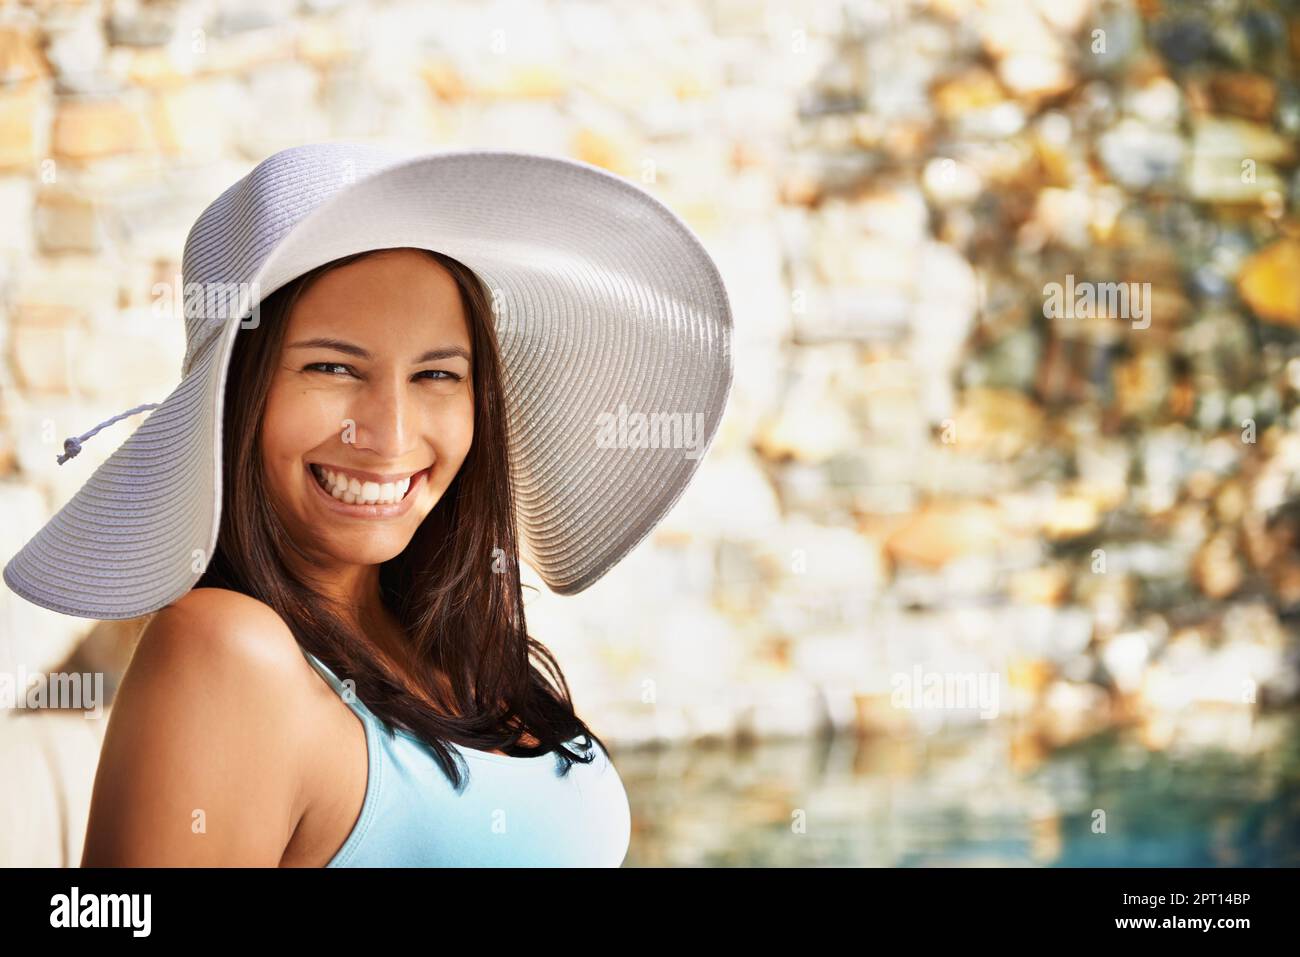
x=454 y=589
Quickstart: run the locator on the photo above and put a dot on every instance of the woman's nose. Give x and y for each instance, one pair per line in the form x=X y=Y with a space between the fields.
x=385 y=419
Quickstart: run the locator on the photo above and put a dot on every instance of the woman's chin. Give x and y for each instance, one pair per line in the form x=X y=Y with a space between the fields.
x=358 y=543
x=373 y=550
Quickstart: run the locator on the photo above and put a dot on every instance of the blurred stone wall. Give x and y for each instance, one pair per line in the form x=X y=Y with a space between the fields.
x=920 y=468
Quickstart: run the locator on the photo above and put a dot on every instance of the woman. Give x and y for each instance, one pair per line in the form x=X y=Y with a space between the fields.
x=345 y=677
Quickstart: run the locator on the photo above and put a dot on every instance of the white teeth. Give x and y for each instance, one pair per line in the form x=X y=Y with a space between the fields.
x=352 y=491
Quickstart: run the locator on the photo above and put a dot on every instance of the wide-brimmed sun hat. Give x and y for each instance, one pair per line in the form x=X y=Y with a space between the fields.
x=615 y=334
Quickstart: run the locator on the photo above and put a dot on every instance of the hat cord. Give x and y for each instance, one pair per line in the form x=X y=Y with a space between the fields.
x=72 y=444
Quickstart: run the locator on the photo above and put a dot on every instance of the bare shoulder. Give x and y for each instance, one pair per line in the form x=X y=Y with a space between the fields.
x=200 y=763
x=222 y=640
x=238 y=623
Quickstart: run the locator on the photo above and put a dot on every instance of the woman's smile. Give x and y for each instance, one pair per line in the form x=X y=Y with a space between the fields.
x=357 y=496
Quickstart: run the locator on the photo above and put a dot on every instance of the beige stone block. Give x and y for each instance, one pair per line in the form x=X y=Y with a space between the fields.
x=280 y=108
x=69 y=221
x=43 y=356
x=151 y=67
x=147 y=210
x=527 y=81
x=445 y=80
x=728 y=496
x=782 y=706
x=1031 y=74
x=24 y=117
x=140 y=349
x=240 y=53
x=973 y=90
x=1000 y=424
x=20 y=53
x=324 y=44
x=140 y=276
x=940 y=533
x=16 y=201
x=91 y=129
x=508 y=124
x=46 y=316
x=1232 y=179
x=611 y=151
x=86 y=284
x=739 y=18
x=811 y=430
x=194 y=119
x=1230 y=138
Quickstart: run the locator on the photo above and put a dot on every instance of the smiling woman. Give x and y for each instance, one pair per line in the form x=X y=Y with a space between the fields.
x=398 y=315
x=326 y=516
x=363 y=503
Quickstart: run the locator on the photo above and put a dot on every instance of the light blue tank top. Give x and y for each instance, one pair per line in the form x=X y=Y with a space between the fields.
x=514 y=812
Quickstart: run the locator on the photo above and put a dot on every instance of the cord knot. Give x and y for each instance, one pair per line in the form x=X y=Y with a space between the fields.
x=70 y=448
x=72 y=444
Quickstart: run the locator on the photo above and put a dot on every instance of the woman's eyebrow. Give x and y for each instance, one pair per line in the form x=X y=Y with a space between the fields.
x=340 y=345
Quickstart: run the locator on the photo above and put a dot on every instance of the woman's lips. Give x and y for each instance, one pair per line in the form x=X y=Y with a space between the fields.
x=388 y=510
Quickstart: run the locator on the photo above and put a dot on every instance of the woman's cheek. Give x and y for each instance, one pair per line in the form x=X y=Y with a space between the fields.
x=466 y=435
x=452 y=429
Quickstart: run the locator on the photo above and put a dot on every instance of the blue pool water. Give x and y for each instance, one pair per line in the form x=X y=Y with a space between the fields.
x=973 y=797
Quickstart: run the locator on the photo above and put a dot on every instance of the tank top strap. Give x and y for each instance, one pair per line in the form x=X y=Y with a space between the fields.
x=344 y=691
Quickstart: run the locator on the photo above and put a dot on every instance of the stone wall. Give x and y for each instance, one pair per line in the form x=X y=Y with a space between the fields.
x=925 y=469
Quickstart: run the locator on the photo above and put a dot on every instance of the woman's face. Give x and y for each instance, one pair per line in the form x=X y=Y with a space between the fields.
x=372 y=398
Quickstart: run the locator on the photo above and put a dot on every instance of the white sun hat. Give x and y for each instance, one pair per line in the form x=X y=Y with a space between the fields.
x=607 y=307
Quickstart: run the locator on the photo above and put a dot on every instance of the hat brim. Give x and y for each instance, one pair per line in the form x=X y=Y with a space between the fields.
x=607 y=306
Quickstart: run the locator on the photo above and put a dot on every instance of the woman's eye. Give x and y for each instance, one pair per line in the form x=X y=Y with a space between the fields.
x=436 y=375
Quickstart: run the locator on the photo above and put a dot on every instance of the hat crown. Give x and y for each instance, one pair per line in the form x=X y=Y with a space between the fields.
x=232 y=238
